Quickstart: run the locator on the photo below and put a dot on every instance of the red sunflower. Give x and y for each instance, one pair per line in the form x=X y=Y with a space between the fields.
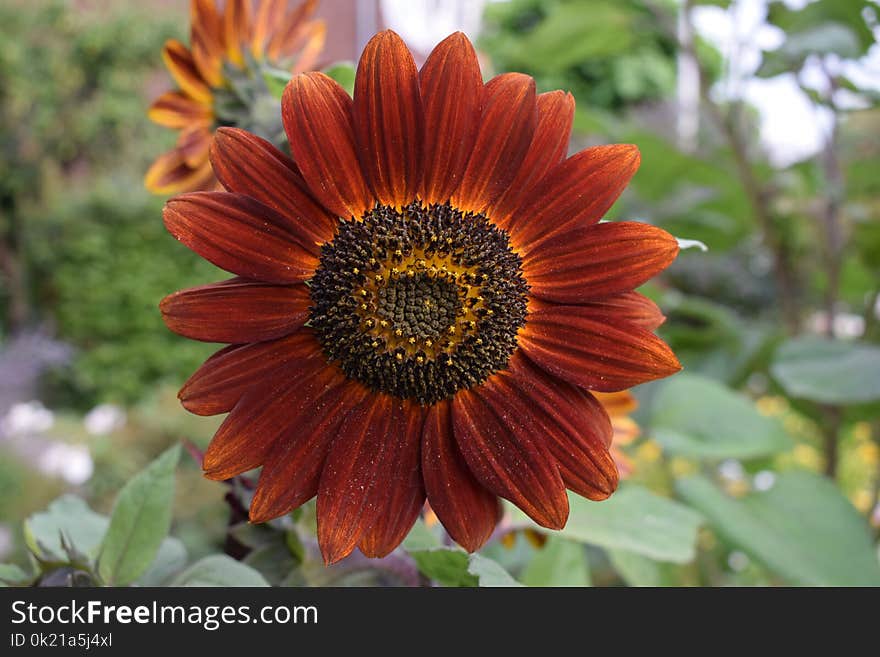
x=225 y=45
x=424 y=299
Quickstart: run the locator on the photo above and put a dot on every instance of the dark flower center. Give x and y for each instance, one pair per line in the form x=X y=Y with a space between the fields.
x=420 y=302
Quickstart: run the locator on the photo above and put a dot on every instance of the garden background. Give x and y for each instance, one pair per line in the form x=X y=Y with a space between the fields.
x=758 y=126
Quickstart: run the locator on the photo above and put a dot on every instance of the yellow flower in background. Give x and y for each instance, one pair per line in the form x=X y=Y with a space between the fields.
x=619 y=405
x=215 y=79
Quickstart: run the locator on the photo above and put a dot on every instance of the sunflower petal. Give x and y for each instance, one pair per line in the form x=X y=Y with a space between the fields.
x=269 y=14
x=388 y=119
x=313 y=38
x=223 y=379
x=549 y=147
x=193 y=145
x=293 y=467
x=598 y=261
x=183 y=69
x=502 y=455
x=317 y=117
x=357 y=477
x=241 y=235
x=236 y=29
x=468 y=511
x=632 y=307
x=257 y=422
x=570 y=422
x=206 y=40
x=236 y=311
x=507 y=126
x=251 y=165
x=595 y=350
x=170 y=174
x=286 y=32
x=576 y=193
x=405 y=497
x=176 y=110
x=452 y=95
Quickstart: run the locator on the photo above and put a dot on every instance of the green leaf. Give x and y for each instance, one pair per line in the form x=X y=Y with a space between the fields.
x=170 y=559
x=276 y=80
x=140 y=521
x=698 y=417
x=489 y=573
x=569 y=36
x=12 y=575
x=633 y=519
x=802 y=529
x=71 y=516
x=828 y=371
x=219 y=570
x=637 y=570
x=447 y=566
x=455 y=567
x=343 y=73
x=558 y=563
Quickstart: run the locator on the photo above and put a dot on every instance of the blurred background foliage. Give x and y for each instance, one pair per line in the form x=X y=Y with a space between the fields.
x=760 y=464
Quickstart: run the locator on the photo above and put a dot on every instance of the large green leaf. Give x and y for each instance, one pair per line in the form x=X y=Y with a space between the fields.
x=637 y=570
x=447 y=566
x=828 y=371
x=219 y=570
x=489 y=572
x=12 y=575
x=633 y=519
x=140 y=521
x=170 y=559
x=455 y=567
x=569 y=35
x=68 y=515
x=698 y=417
x=559 y=563
x=802 y=529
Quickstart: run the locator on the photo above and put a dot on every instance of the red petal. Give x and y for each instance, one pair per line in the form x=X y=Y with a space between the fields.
x=293 y=467
x=598 y=261
x=549 y=147
x=357 y=481
x=170 y=174
x=241 y=235
x=176 y=110
x=287 y=32
x=631 y=307
x=506 y=130
x=468 y=511
x=193 y=145
x=258 y=421
x=182 y=67
x=502 y=455
x=236 y=311
x=571 y=423
x=237 y=29
x=595 y=350
x=317 y=117
x=452 y=95
x=309 y=46
x=576 y=193
x=251 y=165
x=268 y=15
x=226 y=376
x=206 y=40
x=405 y=495
x=388 y=120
